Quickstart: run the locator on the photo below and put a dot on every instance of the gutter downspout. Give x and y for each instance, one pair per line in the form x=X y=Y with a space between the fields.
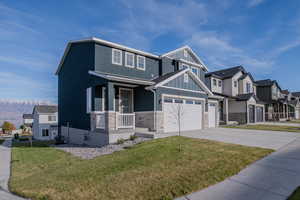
x=154 y=95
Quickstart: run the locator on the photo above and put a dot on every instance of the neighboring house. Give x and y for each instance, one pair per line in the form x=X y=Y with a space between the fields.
x=27 y=122
x=240 y=103
x=44 y=122
x=295 y=100
x=108 y=91
x=276 y=103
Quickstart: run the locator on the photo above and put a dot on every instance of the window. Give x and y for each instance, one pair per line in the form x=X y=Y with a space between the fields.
x=88 y=100
x=129 y=59
x=220 y=83
x=195 y=70
x=178 y=101
x=235 y=83
x=185 y=53
x=248 y=87
x=45 y=132
x=186 y=78
x=168 y=100
x=189 y=101
x=116 y=56
x=51 y=118
x=184 y=66
x=214 y=82
x=141 y=62
x=198 y=102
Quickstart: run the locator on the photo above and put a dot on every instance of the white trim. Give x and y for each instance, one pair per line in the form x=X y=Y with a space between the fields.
x=129 y=54
x=174 y=88
x=132 y=96
x=190 y=49
x=89 y=100
x=112 y=56
x=193 y=76
x=117 y=78
x=137 y=62
x=103 y=98
x=126 y=85
x=185 y=78
x=105 y=42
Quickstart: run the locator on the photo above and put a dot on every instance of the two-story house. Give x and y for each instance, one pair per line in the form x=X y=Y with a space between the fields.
x=44 y=122
x=240 y=103
x=295 y=100
x=107 y=91
x=276 y=105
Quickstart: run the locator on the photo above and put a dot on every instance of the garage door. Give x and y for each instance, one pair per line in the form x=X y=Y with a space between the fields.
x=259 y=114
x=183 y=113
x=211 y=115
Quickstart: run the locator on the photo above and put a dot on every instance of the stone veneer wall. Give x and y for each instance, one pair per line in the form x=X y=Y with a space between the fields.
x=241 y=118
x=146 y=120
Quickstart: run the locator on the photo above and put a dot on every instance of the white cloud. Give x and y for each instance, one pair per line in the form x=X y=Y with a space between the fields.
x=253 y=3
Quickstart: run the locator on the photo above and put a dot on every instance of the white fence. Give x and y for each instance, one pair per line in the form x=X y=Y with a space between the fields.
x=125 y=120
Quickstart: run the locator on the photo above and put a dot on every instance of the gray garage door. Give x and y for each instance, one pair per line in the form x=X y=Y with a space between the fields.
x=251 y=113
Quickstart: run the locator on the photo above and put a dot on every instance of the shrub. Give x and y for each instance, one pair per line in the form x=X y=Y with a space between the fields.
x=132 y=137
x=16 y=136
x=120 y=141
x=23 y=139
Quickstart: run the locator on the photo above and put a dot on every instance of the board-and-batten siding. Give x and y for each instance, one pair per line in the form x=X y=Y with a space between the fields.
x=179 y=83
x=180 y=55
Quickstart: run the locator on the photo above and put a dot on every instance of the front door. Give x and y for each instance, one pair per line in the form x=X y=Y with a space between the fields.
x=251 y=113
x=126 y=101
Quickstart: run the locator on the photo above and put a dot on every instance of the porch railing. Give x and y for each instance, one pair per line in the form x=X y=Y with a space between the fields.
x=125 y=120
x=100 y=120
x=277 y=116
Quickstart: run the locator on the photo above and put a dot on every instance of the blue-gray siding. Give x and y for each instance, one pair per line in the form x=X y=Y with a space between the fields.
x=179 y=83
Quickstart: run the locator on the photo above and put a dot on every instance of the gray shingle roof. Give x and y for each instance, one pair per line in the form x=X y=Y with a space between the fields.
x=166 y=76
x=296 y=94
x=245 y=97
x=227 y=73
x=267 y=82
x=46 y=109
x=27 y=116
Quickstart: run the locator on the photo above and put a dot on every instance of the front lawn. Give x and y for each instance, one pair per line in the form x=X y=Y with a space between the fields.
x=267 y=127
x=151 y=170
x=295 y=195
x=294 y=121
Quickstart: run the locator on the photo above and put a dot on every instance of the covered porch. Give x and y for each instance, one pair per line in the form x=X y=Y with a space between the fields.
x=120 y=107
x=277 y=111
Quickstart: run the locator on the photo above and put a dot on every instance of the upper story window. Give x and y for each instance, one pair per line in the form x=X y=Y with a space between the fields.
x=116 y=57
x=51 y=118
x=195 y=70
x=214 y=82
x=141 y=62
x=129 y=59
x=248 y=87
x=184 y=66
x=235 y=83
x=186 y=78
x=220 y=83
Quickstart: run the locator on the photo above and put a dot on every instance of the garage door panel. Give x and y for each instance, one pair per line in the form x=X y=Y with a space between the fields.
x=211 y=115
x=188 y=115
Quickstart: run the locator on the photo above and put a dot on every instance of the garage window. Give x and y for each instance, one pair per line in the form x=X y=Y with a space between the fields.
x=189 y=102
x=198 y=102
x=178 y=101
x=168 y=100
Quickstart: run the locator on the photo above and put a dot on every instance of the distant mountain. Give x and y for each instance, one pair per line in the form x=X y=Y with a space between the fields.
x=13 y=110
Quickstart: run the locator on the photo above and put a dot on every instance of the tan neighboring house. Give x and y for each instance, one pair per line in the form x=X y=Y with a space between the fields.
x=240 y=103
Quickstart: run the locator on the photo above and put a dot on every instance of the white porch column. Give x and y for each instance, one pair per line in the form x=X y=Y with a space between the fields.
x=225 y=110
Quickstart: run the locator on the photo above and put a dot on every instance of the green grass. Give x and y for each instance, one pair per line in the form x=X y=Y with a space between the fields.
x=267 y=127
x=1 y=141
x=151 y=170
x=294 y=121
x=295 y=195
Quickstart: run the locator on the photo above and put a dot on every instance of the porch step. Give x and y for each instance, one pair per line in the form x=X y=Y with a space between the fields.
x=138 y=129
x=144 y=135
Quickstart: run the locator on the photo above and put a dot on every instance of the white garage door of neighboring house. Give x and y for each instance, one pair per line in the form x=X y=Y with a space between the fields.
x=186 y=112
x=211 y=115
x=297 y=114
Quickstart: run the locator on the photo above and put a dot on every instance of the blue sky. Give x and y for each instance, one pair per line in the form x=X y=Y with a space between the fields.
x=261 y=35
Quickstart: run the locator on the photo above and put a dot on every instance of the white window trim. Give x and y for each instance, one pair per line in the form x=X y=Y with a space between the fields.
x=197 y=69
x=137 y=62
x=112 y=57
x=126 y=54
x=186 y=78
x=89 y=100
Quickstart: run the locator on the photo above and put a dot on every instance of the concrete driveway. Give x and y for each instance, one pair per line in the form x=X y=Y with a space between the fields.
x=274 y=177
x=265 y=139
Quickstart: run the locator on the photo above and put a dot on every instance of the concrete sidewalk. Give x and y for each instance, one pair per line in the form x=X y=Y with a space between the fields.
x=279 y=124
x=272 y=178
x=5 y=155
